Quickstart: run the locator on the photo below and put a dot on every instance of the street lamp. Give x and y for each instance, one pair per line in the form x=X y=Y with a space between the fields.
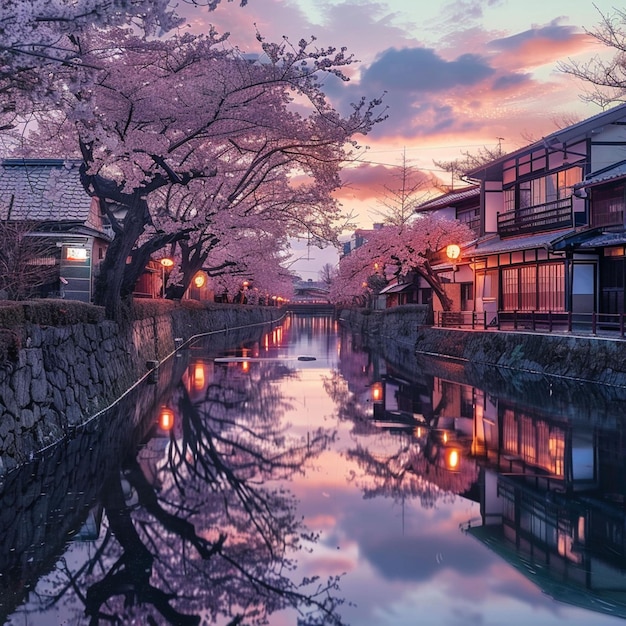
x=166 y=263
x=199 y=280
x=453 y=252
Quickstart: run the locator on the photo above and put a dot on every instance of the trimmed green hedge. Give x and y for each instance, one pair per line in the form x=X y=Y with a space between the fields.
x=51 y=312
x=48 y=312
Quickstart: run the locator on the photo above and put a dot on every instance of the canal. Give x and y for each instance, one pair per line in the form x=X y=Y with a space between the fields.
x=298 y=478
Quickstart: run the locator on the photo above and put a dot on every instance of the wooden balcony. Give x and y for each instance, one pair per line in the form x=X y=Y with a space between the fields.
x=536 y=219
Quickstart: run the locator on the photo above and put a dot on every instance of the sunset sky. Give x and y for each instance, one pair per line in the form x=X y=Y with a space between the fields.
x=457 y=76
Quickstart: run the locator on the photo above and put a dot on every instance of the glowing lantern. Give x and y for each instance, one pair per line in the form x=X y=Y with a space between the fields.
x=453 y=459
x=166 y=418
x=199 y=280
x=377 y=392
x=453 y=252
x=198 y=376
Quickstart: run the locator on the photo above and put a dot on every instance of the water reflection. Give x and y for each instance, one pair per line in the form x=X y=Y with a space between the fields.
x=245 y=483
x=186 y=522
x=546 y=466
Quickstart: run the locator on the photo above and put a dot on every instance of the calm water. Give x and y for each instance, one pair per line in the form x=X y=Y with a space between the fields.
x=301 y=469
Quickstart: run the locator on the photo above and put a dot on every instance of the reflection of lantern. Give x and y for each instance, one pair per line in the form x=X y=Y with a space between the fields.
x=377 y=392
x=199 y=280
x=452 y=459
x=166 y=418
x=198 y=376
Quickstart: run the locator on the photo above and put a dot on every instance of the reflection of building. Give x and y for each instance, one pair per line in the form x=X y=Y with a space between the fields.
x=550 y=478
x=574 y=550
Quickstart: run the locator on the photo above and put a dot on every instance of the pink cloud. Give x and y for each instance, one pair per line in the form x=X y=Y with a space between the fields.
x=369 y=181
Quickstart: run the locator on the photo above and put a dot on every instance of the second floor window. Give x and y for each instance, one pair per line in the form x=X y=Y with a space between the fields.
x=542 y=190
x=608 y=205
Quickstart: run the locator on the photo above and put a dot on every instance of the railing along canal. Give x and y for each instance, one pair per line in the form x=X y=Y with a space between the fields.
x=611 y=324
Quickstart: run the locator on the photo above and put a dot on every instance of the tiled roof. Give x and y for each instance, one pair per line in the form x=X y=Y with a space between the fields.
x=42 y=190
x=526 y=242
x=615 y=172
x=604 y=239
x=450 y=198
x=576 y=132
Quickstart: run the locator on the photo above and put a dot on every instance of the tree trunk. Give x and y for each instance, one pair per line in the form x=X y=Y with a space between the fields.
x=112 y=290
x=433 y=280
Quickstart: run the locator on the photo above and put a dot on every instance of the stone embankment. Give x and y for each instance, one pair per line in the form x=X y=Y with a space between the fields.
x=60 y=376
x=404 y=330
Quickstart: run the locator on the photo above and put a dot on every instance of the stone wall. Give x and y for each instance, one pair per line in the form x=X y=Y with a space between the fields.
x=573 y=357
x=62 y=375
x=398 y=323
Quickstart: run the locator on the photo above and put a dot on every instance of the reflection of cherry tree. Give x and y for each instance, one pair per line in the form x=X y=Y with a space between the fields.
x=349 y=386
x=420 y=464
x=214 y=540
x=414 y=471
x=350 y=407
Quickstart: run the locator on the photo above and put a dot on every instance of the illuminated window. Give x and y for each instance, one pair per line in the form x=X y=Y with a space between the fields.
x=76 y=254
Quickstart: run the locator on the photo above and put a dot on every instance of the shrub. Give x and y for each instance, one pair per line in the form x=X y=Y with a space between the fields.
x=49 y=313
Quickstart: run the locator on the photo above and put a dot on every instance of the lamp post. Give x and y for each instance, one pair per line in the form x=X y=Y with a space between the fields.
x=166 y=263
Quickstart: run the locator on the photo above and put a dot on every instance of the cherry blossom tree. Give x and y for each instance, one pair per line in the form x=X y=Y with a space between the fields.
x=161 y=114
x=400 y=250
x=37 y=33
x=39 y=38
x=241 y=225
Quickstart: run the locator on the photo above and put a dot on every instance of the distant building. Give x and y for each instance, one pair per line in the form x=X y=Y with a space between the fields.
x=358 y=238
x=310 y=292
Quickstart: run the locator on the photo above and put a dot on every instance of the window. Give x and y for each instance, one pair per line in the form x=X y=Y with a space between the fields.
x=534 y=287
x=608 y=206
x=509 y=199
x=467 y=295
x=525 y=194
x=551 y=288
x=510 y=289
x=528 y=287
x=542 y=190
x=76 y=254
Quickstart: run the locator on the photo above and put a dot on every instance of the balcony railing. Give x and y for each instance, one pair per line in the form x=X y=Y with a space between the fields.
x=538 y=218
x=473 y=224
x=612 y=324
